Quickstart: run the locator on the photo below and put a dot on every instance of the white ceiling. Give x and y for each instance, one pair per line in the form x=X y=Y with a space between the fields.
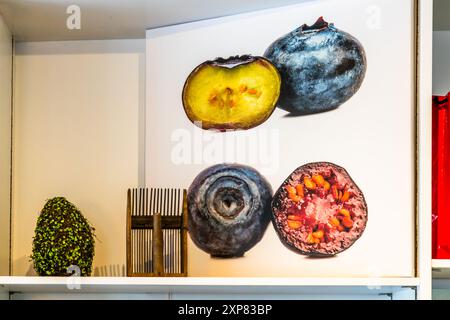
x=39 y=20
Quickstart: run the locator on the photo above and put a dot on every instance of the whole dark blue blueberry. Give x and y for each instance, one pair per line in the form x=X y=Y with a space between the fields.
x=229 y=209
x=321 y=67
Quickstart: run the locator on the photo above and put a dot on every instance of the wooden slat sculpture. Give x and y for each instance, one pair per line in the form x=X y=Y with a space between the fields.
x=156 y=233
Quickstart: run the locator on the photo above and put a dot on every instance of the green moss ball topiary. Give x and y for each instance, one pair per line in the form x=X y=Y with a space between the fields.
x=63 y=238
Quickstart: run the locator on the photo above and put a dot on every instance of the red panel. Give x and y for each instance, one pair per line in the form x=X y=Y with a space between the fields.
x=441 y=175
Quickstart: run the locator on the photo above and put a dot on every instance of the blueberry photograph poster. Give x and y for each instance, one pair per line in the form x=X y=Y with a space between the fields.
x=291 y=130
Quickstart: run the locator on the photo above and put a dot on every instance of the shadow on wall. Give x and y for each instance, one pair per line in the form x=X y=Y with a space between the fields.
x=115 y=270
x=23 y=263
x=31 y=272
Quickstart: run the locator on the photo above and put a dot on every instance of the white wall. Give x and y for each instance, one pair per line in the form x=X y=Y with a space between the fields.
x=441 y=62
x=77 y=133
x=5 y=143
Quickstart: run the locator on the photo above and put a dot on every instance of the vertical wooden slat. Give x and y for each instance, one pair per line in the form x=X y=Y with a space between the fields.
x=138 y=254
x=164 y=213
x=161 y=195
x=184 y=235
x=169 y=240
x=141 y=242
x=144 y=247
x=146 y=202
x=160 y=209
x=137 y=231
x=129 y=265
x=150 y=205
x=155 y=191
x=141 y=235
x=150 y=212
x=151 y=251
x=174 y=212
x=133 y=246
x=144 y=212
x=139 y=208
x=172 y=247
x=157 y=207
x=177 y=251
x=172 y=241
x=149 y=241
x=134 y=201
x=157 y=245
x=171 y=201
x=178 y=211
x=166 y=237
x=155 y=210
x=169 y=234
x=142 y=251
x=141 y=213
x=145 y=251
x=180 y=232
x=137 y=250
x=148 y=238
x=136 y=264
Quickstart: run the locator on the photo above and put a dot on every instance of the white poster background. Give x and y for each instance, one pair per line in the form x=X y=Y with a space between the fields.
x=371 y=135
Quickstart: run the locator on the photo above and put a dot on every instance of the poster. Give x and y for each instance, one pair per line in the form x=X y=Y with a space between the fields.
x=371 y=134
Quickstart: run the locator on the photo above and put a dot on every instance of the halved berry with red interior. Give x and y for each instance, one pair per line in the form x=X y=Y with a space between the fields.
x=319 y=210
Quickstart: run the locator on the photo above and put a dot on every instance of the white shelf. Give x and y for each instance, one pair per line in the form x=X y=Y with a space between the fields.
x=441 y=268
x=441 y=274
x=310 y=286
x=441 y=263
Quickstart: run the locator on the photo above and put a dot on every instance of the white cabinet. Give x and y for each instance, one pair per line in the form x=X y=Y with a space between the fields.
x=62 y=83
